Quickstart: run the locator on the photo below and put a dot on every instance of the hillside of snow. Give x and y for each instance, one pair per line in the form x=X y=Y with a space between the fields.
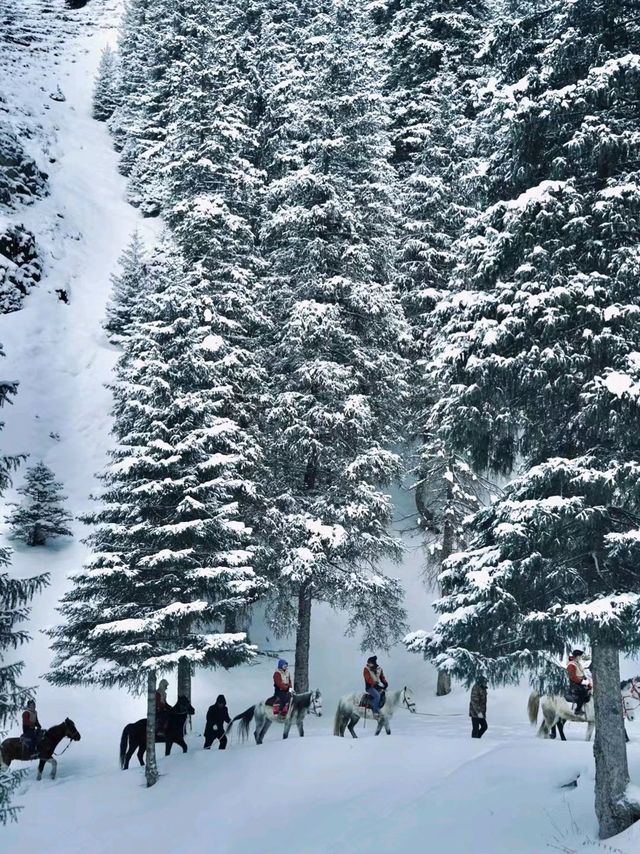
x=428 y=786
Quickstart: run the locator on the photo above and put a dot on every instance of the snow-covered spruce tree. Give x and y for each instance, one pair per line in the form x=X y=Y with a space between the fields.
x=129 y=286
x=40 y=516
x=537 y=345
x=336 y=384
x=15 y=595
x=106 y=88
x=171 y=552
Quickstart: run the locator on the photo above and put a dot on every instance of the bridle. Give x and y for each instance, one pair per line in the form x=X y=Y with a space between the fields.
x=411 y=706
x=314 y=701
x=634 y=694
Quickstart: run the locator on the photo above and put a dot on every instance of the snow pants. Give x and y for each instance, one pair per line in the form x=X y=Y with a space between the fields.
x=211 y=734
x=478 y=727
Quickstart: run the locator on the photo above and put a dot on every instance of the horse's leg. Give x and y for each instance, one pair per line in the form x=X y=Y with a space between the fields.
x=41 y=765
x=54 y=767
x=183 y=744
x=167 y=747
x=590 y=728
x=142 y=749
x=130 y=752
x=353 y=720
x=560 y=726
x=301 y=727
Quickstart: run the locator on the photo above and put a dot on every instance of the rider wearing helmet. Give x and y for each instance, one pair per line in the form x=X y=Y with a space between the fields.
x=282 y=688
x=580 y=685
x=31 y=728
x=374 y=682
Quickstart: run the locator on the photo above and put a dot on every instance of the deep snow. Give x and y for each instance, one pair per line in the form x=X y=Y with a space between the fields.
x=428 y=785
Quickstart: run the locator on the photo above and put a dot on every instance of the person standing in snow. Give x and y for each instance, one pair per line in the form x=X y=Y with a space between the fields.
x=374 y=682
x=282 y=687
x=31 y=728
x=217 y=717
x=478 y=708
x=580 y=685
x=162 y=707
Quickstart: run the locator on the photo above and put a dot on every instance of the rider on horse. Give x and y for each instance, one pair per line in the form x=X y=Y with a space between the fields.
x=282 y=687
x=580 y=687
x=31 y=728
x=162 y=707
x=374 y=682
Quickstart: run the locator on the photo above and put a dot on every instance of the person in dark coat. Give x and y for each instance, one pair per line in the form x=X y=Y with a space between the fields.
x=217 y=717
x=478 y=708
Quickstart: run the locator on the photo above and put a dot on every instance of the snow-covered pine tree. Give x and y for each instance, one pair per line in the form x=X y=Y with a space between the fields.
x=537 y=358
x=40 y=516
x=15 y=595
x=129 y=287
x=106 y=88
x=171 y=552
x=336 y=383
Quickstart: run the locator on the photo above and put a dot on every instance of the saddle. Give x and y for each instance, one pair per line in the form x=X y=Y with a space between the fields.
x=31 y=746
x=365 y=700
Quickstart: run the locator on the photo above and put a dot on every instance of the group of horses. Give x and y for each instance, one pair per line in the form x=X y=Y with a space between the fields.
x=556 y=711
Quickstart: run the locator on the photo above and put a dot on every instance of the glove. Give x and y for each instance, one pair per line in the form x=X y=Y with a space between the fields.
x=480 y=715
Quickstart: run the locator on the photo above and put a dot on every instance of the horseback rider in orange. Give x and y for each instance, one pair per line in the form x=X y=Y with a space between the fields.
x=374 y=682
x=580 y=685
x=282 y=688
x=31 y=728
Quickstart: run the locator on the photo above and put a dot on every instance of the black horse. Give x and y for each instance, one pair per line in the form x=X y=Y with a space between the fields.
x=134 y=736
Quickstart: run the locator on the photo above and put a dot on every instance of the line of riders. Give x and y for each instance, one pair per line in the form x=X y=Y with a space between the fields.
x=375 y=685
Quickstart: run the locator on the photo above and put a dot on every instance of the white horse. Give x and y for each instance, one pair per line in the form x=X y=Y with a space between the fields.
x=556 y=710
x=299 y=705
x=350 y=710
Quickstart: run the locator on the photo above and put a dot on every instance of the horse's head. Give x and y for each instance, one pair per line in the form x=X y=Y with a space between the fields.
x=630 y=697
x=315 y=703
x=407 y=699
x=70 y=730
x=184 y=707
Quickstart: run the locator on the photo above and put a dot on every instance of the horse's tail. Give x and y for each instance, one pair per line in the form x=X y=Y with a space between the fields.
x=533 y=707
x=337 y=721
x=245 y=719
x=124 y=738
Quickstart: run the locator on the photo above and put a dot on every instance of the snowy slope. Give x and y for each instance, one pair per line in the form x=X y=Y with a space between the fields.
x=426 y=787
x=428 y=781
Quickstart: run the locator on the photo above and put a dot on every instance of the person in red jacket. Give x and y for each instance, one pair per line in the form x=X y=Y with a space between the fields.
x=374 y=682
x=282 y=687
x=580 y=685
x=31 y=728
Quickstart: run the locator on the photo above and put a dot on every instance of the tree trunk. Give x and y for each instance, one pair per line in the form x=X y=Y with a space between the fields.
x=184 y=678
x=303 y=634
x=614 y=812
x=151 y=766
x=444 y=683
x=448 y=543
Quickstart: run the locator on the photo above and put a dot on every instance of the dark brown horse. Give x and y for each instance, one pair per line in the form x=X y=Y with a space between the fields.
x=14 y=749
x=134 y=736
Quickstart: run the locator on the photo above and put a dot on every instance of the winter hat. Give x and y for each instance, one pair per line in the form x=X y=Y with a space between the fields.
x=282 y=663
x=221 y=698
x=373 y=659
x=163 y=684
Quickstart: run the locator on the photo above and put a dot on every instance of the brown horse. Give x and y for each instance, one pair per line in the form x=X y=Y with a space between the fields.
x=14 y=749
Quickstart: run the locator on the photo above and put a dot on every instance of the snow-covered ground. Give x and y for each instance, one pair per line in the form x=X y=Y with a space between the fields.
x=428 y=786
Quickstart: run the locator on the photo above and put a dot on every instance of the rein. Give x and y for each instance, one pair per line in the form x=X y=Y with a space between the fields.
x=65 y=750
x=408 y=703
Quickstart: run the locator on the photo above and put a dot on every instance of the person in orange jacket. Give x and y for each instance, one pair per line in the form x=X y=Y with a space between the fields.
x=580 y=685
x=282 y=688
x=31 y=728
x=374 y=682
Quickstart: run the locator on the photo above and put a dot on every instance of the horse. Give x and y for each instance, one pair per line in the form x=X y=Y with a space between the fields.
x=14 y=749
x=350 y=710
x=556 y=710
x=299 y=706
x=134 y=736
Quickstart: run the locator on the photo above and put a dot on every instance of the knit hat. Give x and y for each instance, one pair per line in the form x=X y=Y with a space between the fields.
x=163 y=684
x=282 y=663
x=373 y=659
